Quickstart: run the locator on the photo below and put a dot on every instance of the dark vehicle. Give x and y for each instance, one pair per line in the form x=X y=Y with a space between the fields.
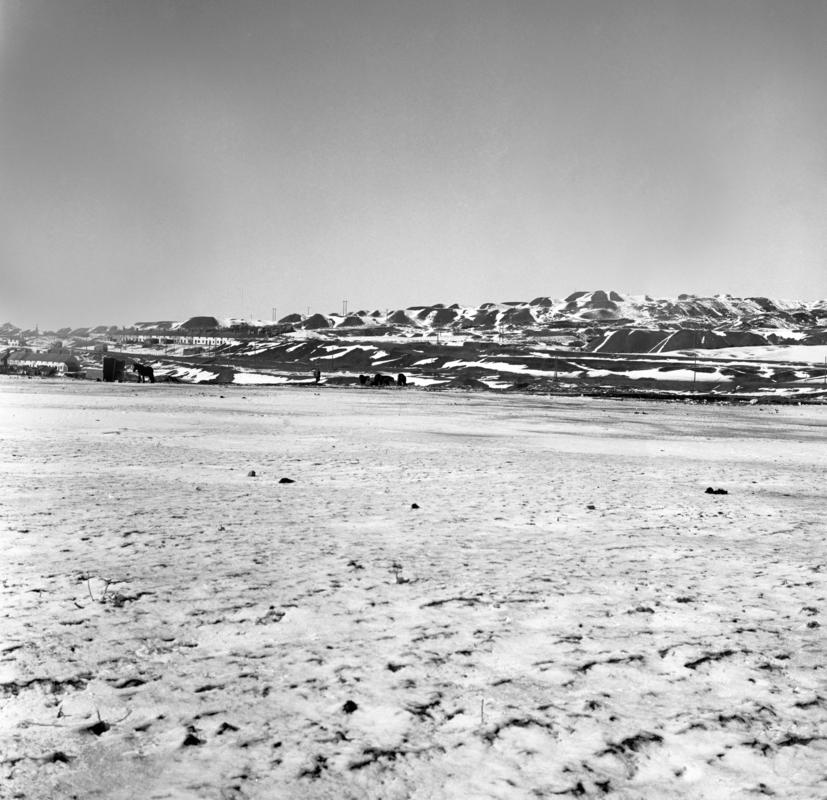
x=113 y=369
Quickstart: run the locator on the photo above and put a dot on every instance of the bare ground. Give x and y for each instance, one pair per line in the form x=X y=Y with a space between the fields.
x=566 y=613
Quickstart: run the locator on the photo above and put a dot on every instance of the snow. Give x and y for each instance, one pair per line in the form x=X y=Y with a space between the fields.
x=139 y=350
x=571 y=613
x=493 y=383
x=782 y=333
x=812 y=354
x=182 y=373
x=257 y=348
x=423 y=380
x=337 y=351
x=252 y=378
x=504 y=366
x=662 y=375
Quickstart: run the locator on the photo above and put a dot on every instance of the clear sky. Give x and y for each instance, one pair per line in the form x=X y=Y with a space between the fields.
x=166 y=158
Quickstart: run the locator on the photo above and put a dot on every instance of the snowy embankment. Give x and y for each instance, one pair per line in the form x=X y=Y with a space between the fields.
x=566 y=612
x=784 y=354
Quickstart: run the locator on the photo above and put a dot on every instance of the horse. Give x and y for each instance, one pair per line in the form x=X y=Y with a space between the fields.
x=144 y=372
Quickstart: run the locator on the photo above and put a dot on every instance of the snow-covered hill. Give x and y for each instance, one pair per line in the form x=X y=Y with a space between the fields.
x=587 y=341
x=591 y=313
x=590 y=309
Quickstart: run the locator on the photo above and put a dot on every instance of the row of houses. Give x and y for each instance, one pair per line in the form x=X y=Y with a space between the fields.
x=27 y=362
x=204 y=338
x=154 y=338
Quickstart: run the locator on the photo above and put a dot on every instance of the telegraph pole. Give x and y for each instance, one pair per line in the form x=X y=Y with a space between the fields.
x=695 y=363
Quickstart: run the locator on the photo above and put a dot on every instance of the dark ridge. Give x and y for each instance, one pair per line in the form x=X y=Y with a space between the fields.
x=444 y=316
x=316 y=322
x=200 y=324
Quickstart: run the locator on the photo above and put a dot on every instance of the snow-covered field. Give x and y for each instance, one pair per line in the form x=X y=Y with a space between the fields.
x=566 y=613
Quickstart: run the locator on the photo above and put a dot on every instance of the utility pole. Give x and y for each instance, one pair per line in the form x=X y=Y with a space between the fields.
x=344 y=308
x=695 y=364
x=274 y=314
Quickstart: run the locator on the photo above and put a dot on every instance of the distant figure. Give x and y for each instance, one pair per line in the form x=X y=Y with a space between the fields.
x=382 y=380
x=317 y=375
x=363 y=379
x=145 y=372
x=401 y=380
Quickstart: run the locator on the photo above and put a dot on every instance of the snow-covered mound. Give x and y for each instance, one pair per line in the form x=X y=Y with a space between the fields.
x=608 y=320
x=603 y=312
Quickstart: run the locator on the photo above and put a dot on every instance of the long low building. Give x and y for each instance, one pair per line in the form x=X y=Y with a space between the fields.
x=41 y=363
